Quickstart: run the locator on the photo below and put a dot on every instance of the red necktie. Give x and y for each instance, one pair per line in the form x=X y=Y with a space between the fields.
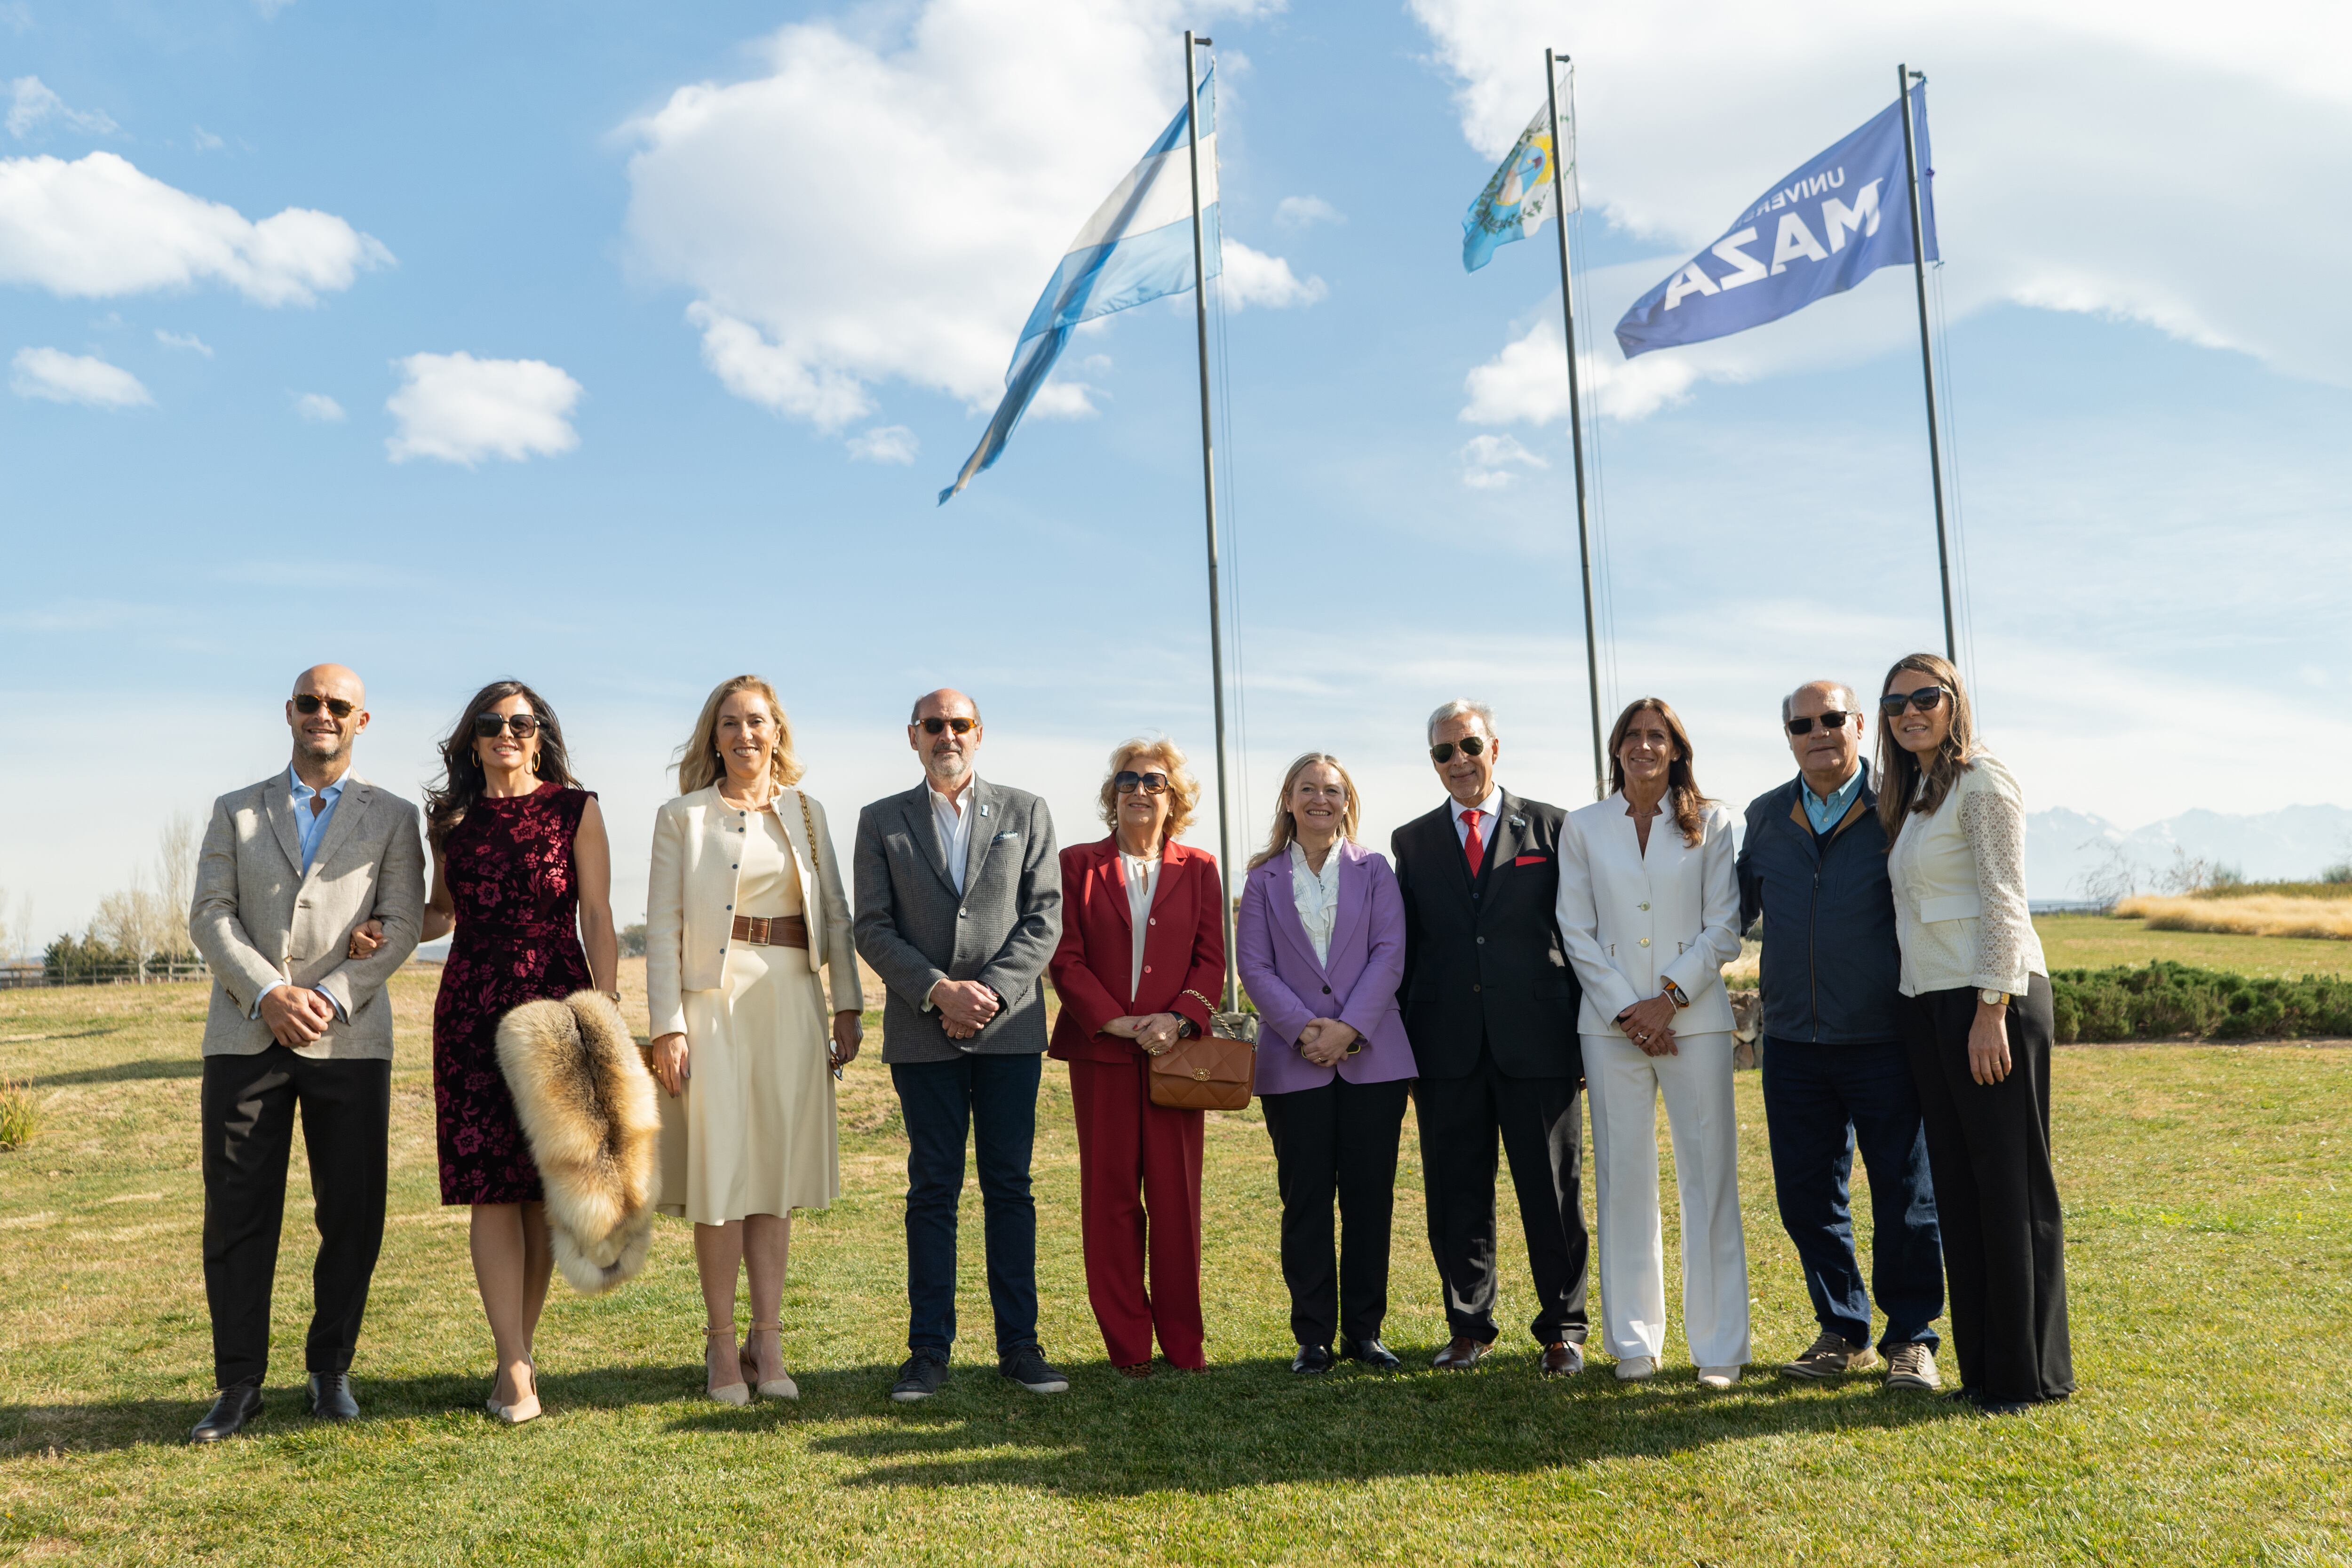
x=1472 y=845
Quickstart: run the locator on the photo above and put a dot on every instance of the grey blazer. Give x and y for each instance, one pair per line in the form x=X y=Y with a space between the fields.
x=915 y=931
x=258 y=918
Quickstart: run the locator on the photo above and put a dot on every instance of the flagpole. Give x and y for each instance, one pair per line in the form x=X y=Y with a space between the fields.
x=1576 y=427
x=1209 y=500
x=1903 y=75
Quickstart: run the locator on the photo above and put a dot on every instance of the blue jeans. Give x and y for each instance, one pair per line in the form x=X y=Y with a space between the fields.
x=994 y=1098
x=1821 y=1102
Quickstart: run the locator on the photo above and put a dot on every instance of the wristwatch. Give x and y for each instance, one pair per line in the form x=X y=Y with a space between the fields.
x=1675 y=992
x=1993 y=998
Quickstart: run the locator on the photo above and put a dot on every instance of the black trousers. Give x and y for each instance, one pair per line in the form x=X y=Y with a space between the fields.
x=1539 y=1128
x=1996 y=1194
x=249 y=1109
x=1339 y=1140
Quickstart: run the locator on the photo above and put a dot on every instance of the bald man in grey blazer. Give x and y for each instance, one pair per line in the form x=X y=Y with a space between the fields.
x=292 y=868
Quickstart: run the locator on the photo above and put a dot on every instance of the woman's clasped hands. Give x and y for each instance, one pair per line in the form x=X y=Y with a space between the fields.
x=1326 y=1041
x=1155 y=1032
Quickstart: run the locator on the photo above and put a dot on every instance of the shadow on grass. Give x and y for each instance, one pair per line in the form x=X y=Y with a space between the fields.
x=125 y=1072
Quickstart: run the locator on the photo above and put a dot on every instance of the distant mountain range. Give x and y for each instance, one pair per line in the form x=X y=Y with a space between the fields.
x=2068 y=852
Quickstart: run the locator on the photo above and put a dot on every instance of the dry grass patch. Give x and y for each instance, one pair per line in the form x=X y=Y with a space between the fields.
x=2268 y=914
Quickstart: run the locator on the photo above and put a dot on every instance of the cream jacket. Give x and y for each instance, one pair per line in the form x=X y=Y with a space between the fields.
x=1631 y=922
x=690 y=902
x=1960 y=889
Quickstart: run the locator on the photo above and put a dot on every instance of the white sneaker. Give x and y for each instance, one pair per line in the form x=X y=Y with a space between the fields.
x=1718 y=1376
x=1634 y=1368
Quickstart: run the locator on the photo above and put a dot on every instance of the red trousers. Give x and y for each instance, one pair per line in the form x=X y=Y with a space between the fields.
x=1138 y=1200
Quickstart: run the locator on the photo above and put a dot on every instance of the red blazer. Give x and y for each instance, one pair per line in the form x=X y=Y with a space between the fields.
x=1184 y=948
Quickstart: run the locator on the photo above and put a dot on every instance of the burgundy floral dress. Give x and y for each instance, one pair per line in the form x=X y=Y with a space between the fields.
x=509 y=866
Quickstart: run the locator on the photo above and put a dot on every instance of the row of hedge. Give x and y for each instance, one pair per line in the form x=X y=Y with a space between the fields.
x=2169 y=1001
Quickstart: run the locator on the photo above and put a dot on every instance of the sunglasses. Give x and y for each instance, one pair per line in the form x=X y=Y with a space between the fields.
x=305 y=703
x=1149 y=783
x=488 y=725
x=960 y=726
x=1469 y=746
x=1924 y=700
x=1832 y=719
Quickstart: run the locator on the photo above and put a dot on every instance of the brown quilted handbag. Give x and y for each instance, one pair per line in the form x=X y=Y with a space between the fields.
x=1215 y=1071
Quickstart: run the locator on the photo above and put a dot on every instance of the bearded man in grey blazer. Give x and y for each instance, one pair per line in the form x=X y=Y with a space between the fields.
x=959 y=909
x=292 y=868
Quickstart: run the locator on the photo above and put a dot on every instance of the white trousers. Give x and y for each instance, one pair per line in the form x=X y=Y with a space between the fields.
x=1624 y=1085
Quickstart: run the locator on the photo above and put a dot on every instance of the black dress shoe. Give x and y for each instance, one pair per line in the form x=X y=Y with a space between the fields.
x=1372 y=1353
x=238 y=1404
x=1311 y=1358
x=1460 y=1355
x=330 y=1396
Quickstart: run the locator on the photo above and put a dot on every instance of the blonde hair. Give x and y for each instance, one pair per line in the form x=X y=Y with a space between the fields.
x=1183 y=789
x=1900 y=792
x=1683 y=797
x=1286 y=828
x=699 y=766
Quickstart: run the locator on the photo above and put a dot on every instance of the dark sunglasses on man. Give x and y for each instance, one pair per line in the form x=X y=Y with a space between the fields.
x=488 y=725
x=959 y=725
x=1924 y=700
x=1469 y=746
x=308 y=704
x=1128 y=783
x=1832 y=719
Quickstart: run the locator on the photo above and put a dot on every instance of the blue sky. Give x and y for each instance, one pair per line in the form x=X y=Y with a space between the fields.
x=735 y=285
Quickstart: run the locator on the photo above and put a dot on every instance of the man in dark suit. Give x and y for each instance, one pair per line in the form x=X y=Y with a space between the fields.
x=1490 y=1006
x=959 y=910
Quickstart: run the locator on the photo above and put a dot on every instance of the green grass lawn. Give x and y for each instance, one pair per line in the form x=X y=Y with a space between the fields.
x=2209 y=1197
x=2095 y=941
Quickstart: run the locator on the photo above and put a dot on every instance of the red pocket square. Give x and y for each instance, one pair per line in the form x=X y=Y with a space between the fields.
x=1530 y=859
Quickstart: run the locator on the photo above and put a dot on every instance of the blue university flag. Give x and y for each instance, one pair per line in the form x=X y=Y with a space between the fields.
x=1137 y=246
x=1821 y=231
x=1518 y=198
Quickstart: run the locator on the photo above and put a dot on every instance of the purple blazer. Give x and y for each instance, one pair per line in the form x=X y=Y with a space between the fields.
x=1359 y=988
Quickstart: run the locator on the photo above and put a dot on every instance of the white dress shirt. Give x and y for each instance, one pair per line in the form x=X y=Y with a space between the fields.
x=1142 y=880
x=953 y=814
x=1491 y=808
x=1317 y=894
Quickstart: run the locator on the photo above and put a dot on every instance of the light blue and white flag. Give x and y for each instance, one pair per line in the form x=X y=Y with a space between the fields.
x=1518 y=198
x=1137 y=246
x=1859 y=194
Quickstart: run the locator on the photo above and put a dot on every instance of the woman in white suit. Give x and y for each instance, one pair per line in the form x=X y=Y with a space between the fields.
x=1649 y=909
x=744 y=907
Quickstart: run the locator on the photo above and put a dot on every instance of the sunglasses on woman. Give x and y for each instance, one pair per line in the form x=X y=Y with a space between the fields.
x=1149 y=783
x=1924 y=700
x=488 y=725
x=1832 y=719
x=305 y=703
x=960 y=726
x=1469 y=746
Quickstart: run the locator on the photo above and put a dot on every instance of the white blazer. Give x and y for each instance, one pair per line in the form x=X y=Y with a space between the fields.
x=1959 y=875
x=690 y=902
x=1633 y=921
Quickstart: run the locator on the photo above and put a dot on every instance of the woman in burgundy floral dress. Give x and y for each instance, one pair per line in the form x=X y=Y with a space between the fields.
x=522 y=870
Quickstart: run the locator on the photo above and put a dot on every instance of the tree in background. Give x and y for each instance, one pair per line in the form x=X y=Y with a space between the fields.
x=143 y=923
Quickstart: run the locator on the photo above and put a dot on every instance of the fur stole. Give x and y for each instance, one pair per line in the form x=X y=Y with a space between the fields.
x=587 y=1108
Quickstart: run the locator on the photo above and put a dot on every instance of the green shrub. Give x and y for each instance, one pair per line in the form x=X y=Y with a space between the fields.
x=20 y=1117
x=2170 y=1000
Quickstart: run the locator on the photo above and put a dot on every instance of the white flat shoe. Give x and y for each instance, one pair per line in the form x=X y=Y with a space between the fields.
x=522 y=1410
x=1635 y=1368
x=1718 y=1376
x=726 y=1393
x=775 y=1387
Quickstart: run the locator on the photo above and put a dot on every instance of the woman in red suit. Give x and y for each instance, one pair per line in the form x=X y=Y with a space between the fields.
x=1142 y=954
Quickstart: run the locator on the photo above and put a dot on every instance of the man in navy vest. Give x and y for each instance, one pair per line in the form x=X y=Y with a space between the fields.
x=1813 y=864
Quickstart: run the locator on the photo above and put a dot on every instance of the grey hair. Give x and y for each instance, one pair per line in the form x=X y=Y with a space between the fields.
x=1853 y=702
x=1456 y=709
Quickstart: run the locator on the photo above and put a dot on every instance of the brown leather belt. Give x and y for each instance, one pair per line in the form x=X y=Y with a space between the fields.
x=772 y=930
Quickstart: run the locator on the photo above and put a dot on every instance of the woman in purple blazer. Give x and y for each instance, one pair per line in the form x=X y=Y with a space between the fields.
x=1320 y=946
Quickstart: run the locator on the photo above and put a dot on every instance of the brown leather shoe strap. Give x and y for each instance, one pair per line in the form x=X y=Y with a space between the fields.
x=772 y=930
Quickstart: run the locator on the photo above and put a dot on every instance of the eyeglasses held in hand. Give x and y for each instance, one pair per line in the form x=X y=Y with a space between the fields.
x=1469 y=746
x=959 y=725
x=1832 y=719
x=1149 y=783
x=305 y=703
x=488 y=725
x=1924 y=700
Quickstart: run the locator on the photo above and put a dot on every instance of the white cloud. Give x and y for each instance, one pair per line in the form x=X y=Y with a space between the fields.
x=2057 y=185
x=32 y=103
x=97 y=227
x=16 y=16
x=461 y=409
x=960 y=156
x=884 y=444
x=1487 y=462
x=188 y=340
x=319 y=409
x=1302 y=212
x=61 y=377
x=1252 y=278
x=206 y=142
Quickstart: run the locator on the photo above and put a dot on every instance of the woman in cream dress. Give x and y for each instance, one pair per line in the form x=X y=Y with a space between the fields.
x=745 y=906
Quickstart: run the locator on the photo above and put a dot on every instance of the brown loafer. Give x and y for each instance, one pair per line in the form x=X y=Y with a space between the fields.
x=1460 y=1355
x=1561 y=1358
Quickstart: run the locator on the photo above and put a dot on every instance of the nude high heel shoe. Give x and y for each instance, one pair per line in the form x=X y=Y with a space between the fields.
x=726 y=1393
x=775 y=1387
x=526 y=1408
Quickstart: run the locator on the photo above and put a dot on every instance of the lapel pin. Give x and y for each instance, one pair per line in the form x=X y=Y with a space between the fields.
x=1518 y=822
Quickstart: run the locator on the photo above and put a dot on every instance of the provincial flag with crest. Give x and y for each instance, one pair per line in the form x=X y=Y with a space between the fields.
x=1518 y=198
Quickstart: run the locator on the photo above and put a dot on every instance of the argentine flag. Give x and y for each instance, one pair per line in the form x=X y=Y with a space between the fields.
x=1137 y=246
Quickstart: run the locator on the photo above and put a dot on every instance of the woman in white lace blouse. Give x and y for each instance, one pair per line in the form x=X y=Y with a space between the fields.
x=1977 y=1020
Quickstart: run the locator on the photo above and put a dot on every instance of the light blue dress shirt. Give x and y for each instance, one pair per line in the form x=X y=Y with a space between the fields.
x=1823 y=815
x=311 y=827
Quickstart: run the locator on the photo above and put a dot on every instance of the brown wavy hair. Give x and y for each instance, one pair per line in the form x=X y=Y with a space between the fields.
x=699 y=765
x=1183 y=789
x=462 y=780
x=1286 y=828
x=1900 y=792
x=1683 y=797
